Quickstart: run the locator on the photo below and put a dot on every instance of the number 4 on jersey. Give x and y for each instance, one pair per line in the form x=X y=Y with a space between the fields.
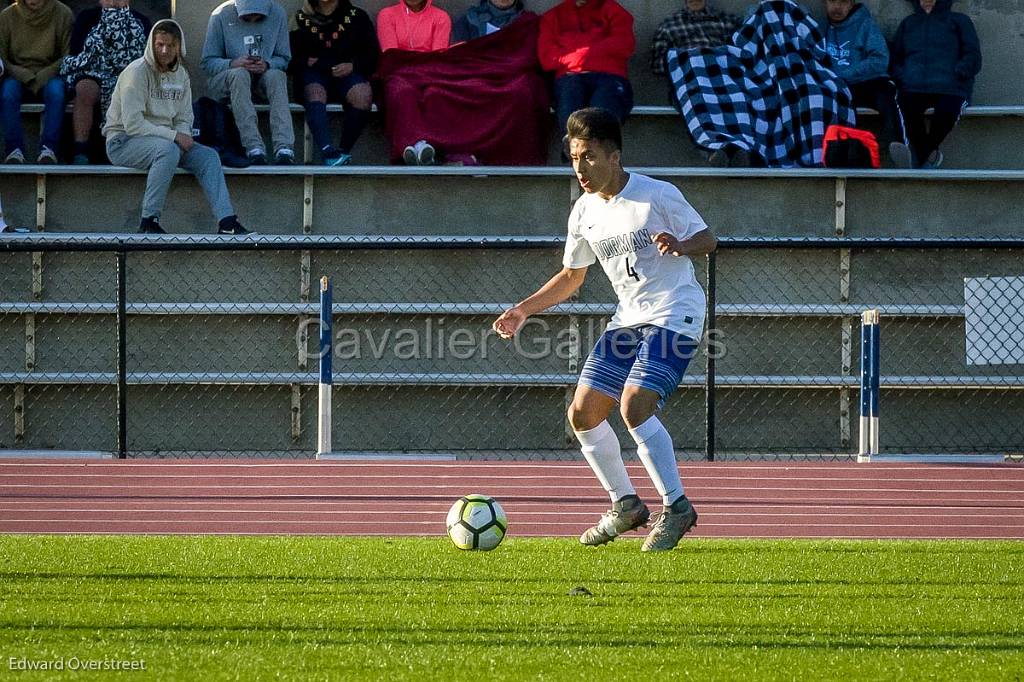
x=631 y=271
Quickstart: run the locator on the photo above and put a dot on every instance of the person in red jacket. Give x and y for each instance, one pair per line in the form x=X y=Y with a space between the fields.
x=587 y=44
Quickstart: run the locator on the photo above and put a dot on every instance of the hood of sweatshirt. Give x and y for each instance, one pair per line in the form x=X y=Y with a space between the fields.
x=851 y=25
x=261 y=7
x=150 y=55
x=940 y=6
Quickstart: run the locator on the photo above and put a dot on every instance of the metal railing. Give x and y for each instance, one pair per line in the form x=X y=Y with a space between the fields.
x=209 y=347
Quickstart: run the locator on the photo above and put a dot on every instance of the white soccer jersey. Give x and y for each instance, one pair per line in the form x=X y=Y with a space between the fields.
x=652 y=288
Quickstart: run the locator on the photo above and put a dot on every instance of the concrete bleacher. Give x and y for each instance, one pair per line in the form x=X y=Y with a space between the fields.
x=656 y=136
x=211 y=336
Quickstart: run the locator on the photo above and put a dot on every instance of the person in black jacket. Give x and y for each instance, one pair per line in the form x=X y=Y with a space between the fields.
x=334 y=53
x=104 y=40
x=935 y=57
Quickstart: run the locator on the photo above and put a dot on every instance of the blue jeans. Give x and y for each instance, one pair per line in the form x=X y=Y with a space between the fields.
x=578 y=90
x=11 y=94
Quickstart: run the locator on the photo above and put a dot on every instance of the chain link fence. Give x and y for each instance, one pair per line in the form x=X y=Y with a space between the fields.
x=212 y=350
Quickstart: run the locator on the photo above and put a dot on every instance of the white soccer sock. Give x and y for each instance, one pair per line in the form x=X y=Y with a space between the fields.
x=654 y=447
x=601 y=449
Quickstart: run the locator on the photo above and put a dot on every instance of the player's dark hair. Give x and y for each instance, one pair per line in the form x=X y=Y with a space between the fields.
x=595 y=124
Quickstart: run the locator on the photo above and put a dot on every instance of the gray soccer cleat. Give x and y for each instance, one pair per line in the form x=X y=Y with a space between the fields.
x=625 y=515
x=670 y=526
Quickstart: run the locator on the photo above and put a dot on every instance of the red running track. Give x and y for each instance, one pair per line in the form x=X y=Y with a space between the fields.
x=755 y=499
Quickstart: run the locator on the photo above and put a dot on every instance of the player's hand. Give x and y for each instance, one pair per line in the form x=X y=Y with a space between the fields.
x=510 y=322
x=241 y=62
x=666 y=243
x=257 y=66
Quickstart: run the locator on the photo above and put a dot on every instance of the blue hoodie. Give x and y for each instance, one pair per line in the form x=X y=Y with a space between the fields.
x=857 y=47
x=936 y=53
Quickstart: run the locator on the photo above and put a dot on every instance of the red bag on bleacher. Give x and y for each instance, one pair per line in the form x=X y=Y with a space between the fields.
x=846 y=147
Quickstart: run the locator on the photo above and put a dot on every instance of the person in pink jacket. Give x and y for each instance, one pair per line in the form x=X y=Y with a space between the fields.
x=416 y=26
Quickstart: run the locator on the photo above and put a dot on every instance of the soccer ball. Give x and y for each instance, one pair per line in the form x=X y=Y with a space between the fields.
x=476 y=522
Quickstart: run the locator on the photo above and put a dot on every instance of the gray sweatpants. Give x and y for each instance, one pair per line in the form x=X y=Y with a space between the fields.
x=237 y=86
x=161 y=157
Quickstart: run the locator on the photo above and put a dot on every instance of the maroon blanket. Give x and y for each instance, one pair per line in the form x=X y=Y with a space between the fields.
x=485 y=97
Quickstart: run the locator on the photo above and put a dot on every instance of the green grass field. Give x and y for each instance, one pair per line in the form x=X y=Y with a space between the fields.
x=200 y=608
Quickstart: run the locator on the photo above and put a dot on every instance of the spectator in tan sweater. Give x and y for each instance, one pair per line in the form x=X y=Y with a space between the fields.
x=34 y=37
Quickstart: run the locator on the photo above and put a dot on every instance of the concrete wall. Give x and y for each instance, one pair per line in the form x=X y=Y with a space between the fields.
x=1000 y=25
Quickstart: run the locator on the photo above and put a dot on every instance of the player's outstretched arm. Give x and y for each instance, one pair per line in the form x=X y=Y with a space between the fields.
x=700 y=244
x=557 y=289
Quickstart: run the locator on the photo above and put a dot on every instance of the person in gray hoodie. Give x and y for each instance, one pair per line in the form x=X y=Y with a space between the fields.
x=247 y=51
x=860 y=56
x=935 y=57
x=149 y=127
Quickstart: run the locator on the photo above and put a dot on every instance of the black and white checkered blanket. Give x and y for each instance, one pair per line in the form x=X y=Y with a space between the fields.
x=771 y=91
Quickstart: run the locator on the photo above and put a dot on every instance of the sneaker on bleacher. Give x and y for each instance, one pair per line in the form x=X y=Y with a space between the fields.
x=151 y=226
x=901 y=155
x=425 y=155
x=17 y=156
x=231 y=226
x=934 y=161
x=284 y=157
x=46 y=156
x=335 y=157
x=257 y=157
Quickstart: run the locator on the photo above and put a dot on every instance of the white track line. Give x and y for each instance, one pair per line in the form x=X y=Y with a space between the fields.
x=828 y=467
x=486 y=478
x=396 y=491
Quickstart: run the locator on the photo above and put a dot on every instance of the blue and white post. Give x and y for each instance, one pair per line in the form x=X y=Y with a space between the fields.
x=870 y=364
x=326 y=379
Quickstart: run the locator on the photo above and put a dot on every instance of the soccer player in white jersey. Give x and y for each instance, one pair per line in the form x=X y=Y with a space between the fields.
x=644 y=234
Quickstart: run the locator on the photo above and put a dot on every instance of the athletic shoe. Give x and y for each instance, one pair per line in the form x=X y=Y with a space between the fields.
x=335 y=158
x=46 y=156
x=670 y=526
x=410 y=156
x=231 y=226
x=424 y=153
x=627 y=514
x=257 y=157
x=150 y=226
x=934 y=161
x=284 y=157
x=17 y=156
x=80 y=160
x=900 y=155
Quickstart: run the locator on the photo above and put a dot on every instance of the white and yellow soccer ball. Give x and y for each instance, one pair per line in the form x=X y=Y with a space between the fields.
x=476 y=522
